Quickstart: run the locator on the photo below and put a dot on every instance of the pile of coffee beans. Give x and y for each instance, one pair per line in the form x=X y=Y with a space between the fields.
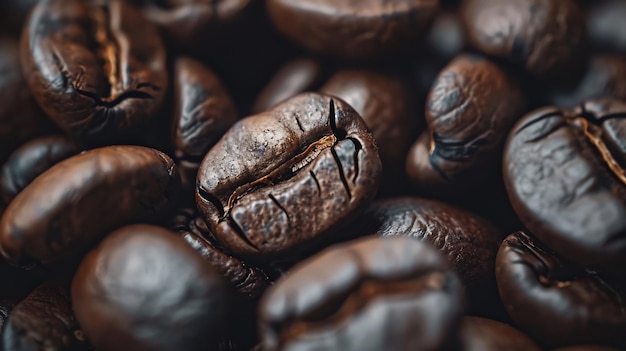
x=337 y=175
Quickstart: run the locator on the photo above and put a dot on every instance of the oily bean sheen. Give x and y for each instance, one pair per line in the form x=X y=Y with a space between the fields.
x=385 y=104
x=543 y=36
x=203 y=112
x=20 y=119
x=353 y=29
x=288 y=177
x=96 y=68
x=43 y=321
x=144 y=288
x=242 y=276
x=83 y=197
x=469 y=111
x=555 y=302
x=480 y=334
x=564 y=173
x=469 y=242
x=295 y=77
x=31 y=160
x=371 y=294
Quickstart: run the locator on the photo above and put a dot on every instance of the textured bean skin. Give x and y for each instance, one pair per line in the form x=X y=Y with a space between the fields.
x=43 y=321
x=242 y=276
x=144 y=289
x=295 y=77
x=543 y=36
x=385 y=104
x=469 y=242
x=31 y=160
x=469 y=111
x=82 y=198
x=556 y=302
x=561 y=187
x=370 y=294
x=352 y=29
x=480 y=334
x=288 y=177
x=203 y=112
x=95 y=70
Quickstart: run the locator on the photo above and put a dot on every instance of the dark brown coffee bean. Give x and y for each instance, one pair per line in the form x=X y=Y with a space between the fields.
x=95 y=69
x=82 y=198
x=480 y=334
x=469 y=242
x=446 y=38
x=586 y=348
x=203 y=112
x=469 y=111
x=242 y=276
x=371 y=294
x=555 y=302
x=143 y=288
x=353 y=29
x=543 y=36
x=603 y=78
x=20 y=119
x=31 y=160
x=296 y=77
x=386 y=105
x=43 y=321
x=288 y=177
x=564 y=176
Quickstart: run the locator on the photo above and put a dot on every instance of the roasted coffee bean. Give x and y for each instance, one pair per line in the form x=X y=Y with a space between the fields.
x=242 y=276
x=82 y=198
x=43 y=321
x=31 y=160
x=469 y=242
x=385 y=104
x=543 y=36
x=372 y=294
x=353 y=29
x=603 y=78
x=445 y=39
x=288 y=177
x=203 y=112
x=185 y=23
x=20 y=119
x=96 y=69
x=480 y=334
x=606 y=25
x=296 y=77
x=555 y=302
x=564 y=176
x=143 y=288
x=469 y=111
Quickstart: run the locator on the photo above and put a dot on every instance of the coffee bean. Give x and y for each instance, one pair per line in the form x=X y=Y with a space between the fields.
x=143 y=288
x=469 y=111
x=372 y=294
x=556 y=302
x=288 y=177
x=96 y=70
x=31 y=160
x=353 y=29
x=480 y=334
x=543 y=36
x=43 y=321
x=82 y=198
x=564 y=177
